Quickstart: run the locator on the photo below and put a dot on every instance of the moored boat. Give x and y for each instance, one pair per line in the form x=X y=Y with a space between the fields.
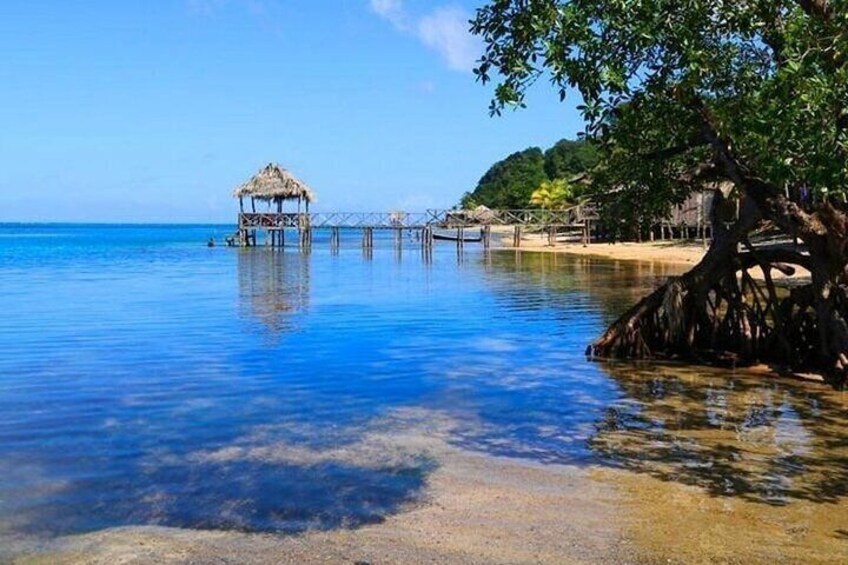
x=472 y=236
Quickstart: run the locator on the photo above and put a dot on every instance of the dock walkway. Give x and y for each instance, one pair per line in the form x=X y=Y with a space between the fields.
x=573 y=219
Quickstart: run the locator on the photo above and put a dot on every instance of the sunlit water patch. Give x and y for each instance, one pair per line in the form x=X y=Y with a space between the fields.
x=147 y=379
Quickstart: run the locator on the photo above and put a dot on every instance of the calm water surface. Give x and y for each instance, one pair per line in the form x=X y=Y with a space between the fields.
x=129 y=354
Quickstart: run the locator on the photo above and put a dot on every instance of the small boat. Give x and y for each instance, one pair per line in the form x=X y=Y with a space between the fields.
x=470 y=236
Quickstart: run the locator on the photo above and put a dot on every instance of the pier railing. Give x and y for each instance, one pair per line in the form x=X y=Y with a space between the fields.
x=573 y=216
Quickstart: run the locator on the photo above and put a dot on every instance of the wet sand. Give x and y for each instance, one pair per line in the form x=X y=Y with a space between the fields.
x=483 y=509
x=732 y=477
x=674 y=523
x=476 y=509
x=488 y=510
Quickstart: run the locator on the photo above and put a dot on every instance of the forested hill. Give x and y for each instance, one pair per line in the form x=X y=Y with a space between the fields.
x=510 y=182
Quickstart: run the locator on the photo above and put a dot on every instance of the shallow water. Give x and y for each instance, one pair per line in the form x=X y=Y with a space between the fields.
x=146 y=379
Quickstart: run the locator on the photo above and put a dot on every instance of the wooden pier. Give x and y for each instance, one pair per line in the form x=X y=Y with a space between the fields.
x=461 y=226
x=274 y=186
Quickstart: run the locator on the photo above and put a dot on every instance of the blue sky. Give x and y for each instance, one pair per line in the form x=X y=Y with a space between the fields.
x=154 y=110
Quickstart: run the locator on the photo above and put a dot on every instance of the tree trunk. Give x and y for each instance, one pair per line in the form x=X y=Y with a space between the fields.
x=717 y=312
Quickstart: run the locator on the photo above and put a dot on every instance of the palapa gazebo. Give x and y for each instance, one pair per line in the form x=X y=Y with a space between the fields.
x=273 y=185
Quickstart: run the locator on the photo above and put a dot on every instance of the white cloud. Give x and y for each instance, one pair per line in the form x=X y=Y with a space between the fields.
x=390 y=10
x=444 y=30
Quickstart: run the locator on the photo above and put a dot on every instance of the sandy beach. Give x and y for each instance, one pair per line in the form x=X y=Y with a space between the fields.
x=683 y=253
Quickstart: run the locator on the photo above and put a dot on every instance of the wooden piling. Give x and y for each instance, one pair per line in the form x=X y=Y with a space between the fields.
x=427 y=237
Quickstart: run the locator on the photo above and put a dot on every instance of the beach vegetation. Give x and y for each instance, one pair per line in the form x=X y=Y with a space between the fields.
x=680 y=97
x=509 y=183
x=552 y=195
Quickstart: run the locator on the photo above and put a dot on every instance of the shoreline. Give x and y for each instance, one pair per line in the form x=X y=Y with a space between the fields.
x=673 y=253
x=476 y=508
x=481 y=508
x=670 y=252
x=682 y=254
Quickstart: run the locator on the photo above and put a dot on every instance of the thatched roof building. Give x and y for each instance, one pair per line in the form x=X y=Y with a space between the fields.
x=274 y=183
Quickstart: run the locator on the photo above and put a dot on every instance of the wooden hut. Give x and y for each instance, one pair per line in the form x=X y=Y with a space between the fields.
x=273 y=185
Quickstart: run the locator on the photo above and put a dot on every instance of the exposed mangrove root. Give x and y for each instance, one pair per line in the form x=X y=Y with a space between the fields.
x=719 y=313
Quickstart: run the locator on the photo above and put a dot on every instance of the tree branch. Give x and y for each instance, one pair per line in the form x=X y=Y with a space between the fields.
x=674 y=151
x=768 y=198
x=817 y=8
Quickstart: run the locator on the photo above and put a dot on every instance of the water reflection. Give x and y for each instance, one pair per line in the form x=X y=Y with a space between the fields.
x=762 y=439
x=273 y=286
x=612 y=285
x=755 y=437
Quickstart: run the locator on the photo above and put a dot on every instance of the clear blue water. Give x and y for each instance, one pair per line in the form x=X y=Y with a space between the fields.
x=129 y=352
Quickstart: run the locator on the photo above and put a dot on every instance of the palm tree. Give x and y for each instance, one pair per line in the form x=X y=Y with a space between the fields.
x=552 y=194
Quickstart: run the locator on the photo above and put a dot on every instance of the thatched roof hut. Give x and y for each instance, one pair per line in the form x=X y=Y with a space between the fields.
x=275 y=184
x=483 y=214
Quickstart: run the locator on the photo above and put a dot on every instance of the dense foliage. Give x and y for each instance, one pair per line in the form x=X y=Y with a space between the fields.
x=509 y=183
x=663 y=78
x=754 y=92
x=553 y=194
x=568 y=158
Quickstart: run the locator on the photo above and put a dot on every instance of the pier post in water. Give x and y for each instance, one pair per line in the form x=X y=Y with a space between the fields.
x=368 y=238
x=427 y=237
x=516 y=237
x=306 y=238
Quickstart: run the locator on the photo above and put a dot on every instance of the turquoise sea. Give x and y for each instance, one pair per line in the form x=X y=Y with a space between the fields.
x=144 y=375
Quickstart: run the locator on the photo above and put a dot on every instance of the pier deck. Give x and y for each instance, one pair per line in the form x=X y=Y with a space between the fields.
x=577 y=217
